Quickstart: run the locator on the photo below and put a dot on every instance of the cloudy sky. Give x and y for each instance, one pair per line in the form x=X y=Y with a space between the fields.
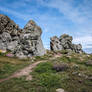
x=55 y=17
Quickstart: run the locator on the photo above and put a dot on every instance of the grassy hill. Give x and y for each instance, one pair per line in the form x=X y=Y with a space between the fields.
x=70 y=71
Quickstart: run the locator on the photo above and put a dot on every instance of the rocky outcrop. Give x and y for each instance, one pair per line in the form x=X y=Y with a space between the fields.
x=24 y=42
x=64 y=42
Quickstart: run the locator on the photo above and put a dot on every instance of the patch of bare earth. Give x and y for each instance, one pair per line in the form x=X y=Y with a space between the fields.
x=23 y=72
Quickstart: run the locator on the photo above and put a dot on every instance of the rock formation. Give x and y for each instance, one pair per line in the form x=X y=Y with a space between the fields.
x=64 y=42
x=24 y=42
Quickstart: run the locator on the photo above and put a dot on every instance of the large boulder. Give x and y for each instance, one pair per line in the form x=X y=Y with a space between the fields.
x=64 y=42
x=30 y=40
x=24 y=42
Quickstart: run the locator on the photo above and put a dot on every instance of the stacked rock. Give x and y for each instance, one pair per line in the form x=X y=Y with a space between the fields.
x=64 y=42
x=21 y=42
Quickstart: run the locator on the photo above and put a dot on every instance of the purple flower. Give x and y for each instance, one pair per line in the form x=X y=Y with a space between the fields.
x=9 y=55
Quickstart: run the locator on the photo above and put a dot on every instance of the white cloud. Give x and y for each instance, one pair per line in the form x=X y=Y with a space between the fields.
x=66 y=8
x=85 y=41
x=80 y=15
x=17 y=14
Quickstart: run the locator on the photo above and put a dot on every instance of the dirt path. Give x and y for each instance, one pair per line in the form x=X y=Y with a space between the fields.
x=23 y=72
x=26 y=71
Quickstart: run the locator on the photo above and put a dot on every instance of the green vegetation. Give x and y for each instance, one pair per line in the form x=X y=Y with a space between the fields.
x=44 y=67
x=10 y=65
x=78 y=78
x=46 y=76
x=64 y=52
x=45 y=57
x=49 y=80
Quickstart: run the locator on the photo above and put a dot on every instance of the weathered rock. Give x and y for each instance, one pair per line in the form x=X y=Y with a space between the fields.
x=7 y=25
x=8 y=30
x=60 y=90
x=2 y=45
x=77 y=48
x=22 y=42
x=31 y=40
x=55 y=44
x=12 y=45
x=6 y=37
x=64 y=42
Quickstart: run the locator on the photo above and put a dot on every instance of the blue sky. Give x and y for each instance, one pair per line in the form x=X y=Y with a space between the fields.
x=55 y=17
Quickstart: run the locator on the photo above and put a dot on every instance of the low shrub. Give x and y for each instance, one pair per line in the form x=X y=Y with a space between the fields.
x=2 y=54
x=64 y=51
x=44 y=67
x=60 y=67
x=38 y=58
x=49 y=80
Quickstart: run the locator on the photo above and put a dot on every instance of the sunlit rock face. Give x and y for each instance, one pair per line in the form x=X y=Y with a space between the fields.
x=64 y=42
x=24 y=42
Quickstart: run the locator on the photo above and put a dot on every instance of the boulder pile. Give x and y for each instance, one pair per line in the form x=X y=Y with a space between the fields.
x=24 y=42
x=64 y=42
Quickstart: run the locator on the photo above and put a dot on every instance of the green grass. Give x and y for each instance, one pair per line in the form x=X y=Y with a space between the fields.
x=10 y=65
x=44 y=67
x=49 y=80
x=45 y=79
x=45 y=57
x=21 y=85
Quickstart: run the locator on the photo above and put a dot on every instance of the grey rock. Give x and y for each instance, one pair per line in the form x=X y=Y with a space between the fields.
x=21 y=42
x=89 y=78
x=77 y=48
x=30 y=25
x=55 y=44
x=60 y=90
x=2 y=45
x=64 y=42
x=31 y=40
x=20 y=55
x=7 y=25
x=12 y=45
x=6 y=37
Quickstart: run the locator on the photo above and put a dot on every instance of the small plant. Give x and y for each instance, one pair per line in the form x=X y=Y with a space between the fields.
x=44 y=67
x=9 y=55
x=64 y=52
x=38 y=58
x=49 y=80
x=60 y=67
